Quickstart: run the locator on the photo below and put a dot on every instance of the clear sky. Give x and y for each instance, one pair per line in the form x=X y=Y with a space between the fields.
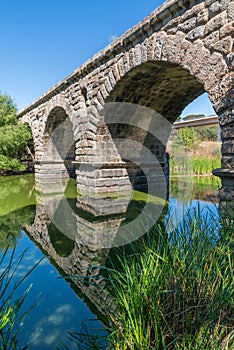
x=42 y=41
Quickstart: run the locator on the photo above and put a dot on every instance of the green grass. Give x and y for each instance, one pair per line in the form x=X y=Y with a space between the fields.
x=11 y=312
x=176 y=292
x=172 y=290
x=194 y=165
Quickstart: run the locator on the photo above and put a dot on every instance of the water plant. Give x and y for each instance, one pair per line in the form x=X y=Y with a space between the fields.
x=175 y=290
x=194 y=165
x=12 y=314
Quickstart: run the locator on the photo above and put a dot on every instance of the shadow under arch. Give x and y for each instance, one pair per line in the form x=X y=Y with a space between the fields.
x=58 y=144
x=162 y=86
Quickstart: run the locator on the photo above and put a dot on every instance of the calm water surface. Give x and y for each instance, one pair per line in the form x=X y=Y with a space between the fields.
x=64 y=303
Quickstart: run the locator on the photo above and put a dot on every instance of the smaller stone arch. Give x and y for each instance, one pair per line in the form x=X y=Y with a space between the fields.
x=58 y=145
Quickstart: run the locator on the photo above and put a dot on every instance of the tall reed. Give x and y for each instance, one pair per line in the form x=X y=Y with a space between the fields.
x=194 y=165
x=11 y=306
x=176 y=290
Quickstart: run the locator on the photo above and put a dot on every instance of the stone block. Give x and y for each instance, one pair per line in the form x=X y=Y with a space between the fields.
x=230 y=60
x=227 y=162
x=188 y=25
x=215 y=23
x=215 y=8
x=208 y=2
x=227 y=29
x=228 y=147
x=230 y=11
x=227 y=131
x=223 y=46
x=196 y=33
x=211 y=39
x=226 y=117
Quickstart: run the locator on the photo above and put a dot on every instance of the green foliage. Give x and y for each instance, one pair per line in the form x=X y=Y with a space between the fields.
x=7 y=111
x=187 y=188
x=171 y=290
x=193 y=116
x=205 y=165
x=17 y=207
x=10 y=164
x=185 y=139
x=14 y=136
x=13 y=139
x=207 y=133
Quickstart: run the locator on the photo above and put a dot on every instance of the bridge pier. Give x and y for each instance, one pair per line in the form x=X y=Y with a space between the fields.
x=226 y=172
x=226 y=193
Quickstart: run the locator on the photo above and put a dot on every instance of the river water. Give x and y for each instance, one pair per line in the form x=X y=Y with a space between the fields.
x=66 y=286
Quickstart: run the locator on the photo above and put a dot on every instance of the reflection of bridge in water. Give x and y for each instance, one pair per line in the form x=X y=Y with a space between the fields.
x=77 y=234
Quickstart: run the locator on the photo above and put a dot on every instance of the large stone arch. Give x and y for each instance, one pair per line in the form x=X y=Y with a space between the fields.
x=193 y=57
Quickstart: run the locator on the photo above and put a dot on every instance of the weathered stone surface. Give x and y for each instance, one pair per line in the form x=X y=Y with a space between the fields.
x=188 y=25
x=227 y=29
x=211 y=39
x=224 y=46
x=228 y=162
x=215 y=23
x=227 y=117
x=228 y=147
x=227 y=131
x=173 y=55
x=230 y=60
x=215 y=8
x=203 y=16
x=230 y=11
x=196 y=33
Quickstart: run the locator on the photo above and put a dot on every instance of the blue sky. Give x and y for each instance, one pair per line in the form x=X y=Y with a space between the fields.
x=42 y=41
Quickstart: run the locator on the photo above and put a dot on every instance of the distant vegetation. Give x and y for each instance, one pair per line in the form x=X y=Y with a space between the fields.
x=14 y=136
x=195 y=150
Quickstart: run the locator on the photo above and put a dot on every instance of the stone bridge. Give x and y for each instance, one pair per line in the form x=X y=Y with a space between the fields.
x=182 y=49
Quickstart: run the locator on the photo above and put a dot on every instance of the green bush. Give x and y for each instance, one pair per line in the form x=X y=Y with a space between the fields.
x=185 y=139
x=207 y=133
x=14 y=136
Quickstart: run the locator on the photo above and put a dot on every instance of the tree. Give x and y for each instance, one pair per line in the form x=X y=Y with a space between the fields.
x=14 y=136
x=207 y=133
x=185 y=139
x=194 y=116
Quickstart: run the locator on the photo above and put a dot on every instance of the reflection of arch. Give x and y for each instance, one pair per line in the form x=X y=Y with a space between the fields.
x=81 y=264
x=61 y=243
